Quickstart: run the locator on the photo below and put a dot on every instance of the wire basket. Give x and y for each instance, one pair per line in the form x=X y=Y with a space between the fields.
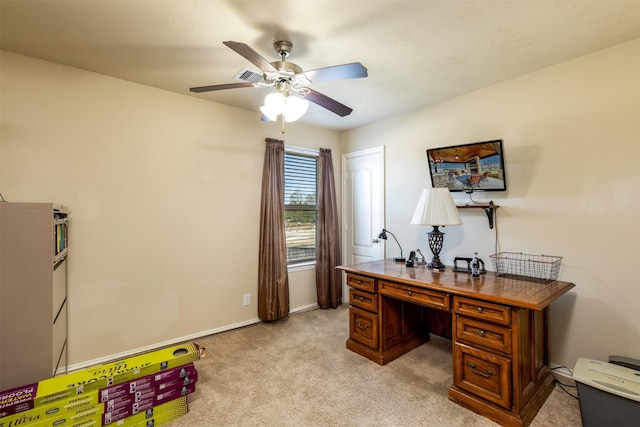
x=532 y=268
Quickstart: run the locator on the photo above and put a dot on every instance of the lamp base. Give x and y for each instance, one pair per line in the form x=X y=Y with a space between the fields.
x=399 y=260
x=436 y=238
x=436 y=264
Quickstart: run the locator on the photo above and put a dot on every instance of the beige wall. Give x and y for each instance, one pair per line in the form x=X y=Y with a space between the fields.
x=164 y=193
x=572 y=144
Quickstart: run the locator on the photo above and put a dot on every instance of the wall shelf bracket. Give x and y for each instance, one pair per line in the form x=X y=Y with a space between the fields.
x=489 y=209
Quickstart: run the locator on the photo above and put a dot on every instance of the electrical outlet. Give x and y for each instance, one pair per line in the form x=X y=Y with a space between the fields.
x=246 y=299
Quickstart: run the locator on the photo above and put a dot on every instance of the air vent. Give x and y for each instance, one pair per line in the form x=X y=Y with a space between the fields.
x=246 y=75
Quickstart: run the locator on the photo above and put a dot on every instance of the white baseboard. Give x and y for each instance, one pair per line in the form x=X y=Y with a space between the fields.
x=156 y=346
x=303 y=308
x=563 y=371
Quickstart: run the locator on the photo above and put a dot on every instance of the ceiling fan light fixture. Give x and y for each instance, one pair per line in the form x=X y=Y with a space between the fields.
x=286 y=76
x=275 y=100
x=269 y=112
x=274 y=105
x=291 y=107
x=295 y=108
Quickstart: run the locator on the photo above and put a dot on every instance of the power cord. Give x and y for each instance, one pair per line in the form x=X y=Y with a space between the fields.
x=495 y=227
x=563 y=385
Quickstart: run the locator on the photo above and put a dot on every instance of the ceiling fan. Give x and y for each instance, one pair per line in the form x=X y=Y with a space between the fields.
x=287 y=77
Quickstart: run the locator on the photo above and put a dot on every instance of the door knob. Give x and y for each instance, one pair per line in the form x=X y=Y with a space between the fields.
x=375 y=240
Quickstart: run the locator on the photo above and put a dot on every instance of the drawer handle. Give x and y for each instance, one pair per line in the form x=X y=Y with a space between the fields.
x=479 y=309
x=481 y=333
x=361 y=298
x=361 y=326
x=487 y=374
x=409 y=292
x=359 y=282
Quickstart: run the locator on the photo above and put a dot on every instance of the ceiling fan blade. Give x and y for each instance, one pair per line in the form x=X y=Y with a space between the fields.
x=251 y=55
x=220 y=87
x=354 y=70
x=328 y=103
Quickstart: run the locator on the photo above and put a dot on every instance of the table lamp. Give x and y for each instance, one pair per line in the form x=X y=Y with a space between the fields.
x=383 y=236
x=436 y=208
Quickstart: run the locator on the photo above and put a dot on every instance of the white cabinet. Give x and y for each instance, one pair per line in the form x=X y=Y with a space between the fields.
x=33 y=292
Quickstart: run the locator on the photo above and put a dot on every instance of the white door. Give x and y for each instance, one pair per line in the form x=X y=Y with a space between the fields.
x=362 y=206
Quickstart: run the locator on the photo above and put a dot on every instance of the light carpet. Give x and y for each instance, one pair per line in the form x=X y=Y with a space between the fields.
x=298 y=372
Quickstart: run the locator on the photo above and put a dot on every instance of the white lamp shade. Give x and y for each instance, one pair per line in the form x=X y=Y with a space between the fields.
x=269 y=112
x=292 y=107
x=436 y=207
x=275 y=100
x=274 y=104
x=295 y=108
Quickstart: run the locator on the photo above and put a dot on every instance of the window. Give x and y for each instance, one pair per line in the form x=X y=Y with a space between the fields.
x=300 y=204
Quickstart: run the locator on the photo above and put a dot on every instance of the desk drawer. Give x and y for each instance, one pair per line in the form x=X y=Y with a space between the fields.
x=417 y=295
x=486 y=375
x=484 y=334
x=482 y=310
x=363 y=327
x=361 y=282
x=362 y=299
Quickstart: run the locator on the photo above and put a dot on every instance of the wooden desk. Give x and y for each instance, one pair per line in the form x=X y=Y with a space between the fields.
x=499 y=329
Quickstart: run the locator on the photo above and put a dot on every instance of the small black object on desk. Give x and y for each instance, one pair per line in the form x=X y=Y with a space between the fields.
x=467 y=269
x=412 y=259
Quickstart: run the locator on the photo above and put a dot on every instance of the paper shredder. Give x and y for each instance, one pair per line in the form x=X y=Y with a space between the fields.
x=609 y=394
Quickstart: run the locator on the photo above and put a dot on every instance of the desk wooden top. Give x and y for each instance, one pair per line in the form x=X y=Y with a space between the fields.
x=488 y=287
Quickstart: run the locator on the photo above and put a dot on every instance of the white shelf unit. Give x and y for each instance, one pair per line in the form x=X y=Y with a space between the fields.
x=33 y=292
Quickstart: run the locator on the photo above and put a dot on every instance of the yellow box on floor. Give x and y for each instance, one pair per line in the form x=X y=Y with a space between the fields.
x=69 y=386
x=152 y=416
x=127 y=408
x=99 y=401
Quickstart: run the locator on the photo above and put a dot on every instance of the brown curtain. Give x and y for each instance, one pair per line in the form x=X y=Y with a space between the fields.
x=328 y=279
x=273 y=281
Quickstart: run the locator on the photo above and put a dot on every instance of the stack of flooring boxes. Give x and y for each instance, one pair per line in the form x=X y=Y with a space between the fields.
x=145 y=390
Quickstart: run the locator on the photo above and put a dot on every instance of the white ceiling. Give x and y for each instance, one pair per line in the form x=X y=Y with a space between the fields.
x=417 y=52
